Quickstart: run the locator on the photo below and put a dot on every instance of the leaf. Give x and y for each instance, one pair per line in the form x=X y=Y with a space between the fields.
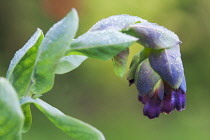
x=101 y=44
x=52 y=49
x=71 y=126
x=137 y=59
x=145 y=78
x=22 y=65
x=116 y=23
x=11 y=116
x=168 y=64
x=154 y=36
x=120 y=61
x=28 y=118
x=133 y=67
x=69 y=63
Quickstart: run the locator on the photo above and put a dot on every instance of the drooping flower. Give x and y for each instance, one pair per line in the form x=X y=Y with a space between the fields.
x=157 y=70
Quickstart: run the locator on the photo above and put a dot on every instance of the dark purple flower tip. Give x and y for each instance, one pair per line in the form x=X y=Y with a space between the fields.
x=179 y=99
x=152 y=106
x=167 y=105
x=173 y=98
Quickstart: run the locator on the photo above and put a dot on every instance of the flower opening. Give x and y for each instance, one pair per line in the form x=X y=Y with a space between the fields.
x=154 y=105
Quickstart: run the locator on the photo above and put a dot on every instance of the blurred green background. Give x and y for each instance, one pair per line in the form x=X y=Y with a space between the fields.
x=93 y=93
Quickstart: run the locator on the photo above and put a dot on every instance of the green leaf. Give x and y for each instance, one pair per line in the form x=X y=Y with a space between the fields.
x=69 y=63
x=120 y=61
x=52 y=49
x=133 y=67
x=71 y=126
x=11 y=116
x=22 y=65
x=28 y=117
x=101 y=44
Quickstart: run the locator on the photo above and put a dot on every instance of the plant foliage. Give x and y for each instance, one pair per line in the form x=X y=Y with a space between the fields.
x=32 y=70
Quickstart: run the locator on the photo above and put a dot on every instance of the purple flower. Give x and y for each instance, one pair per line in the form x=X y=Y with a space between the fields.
x=157 y=71
x=173 y=99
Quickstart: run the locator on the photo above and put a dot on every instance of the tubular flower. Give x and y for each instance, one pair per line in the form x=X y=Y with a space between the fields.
x=157 y=71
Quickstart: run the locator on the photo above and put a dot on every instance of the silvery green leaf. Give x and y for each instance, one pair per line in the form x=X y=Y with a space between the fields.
x=28 y=117
x=22 y=65
x=69 y=63
x=52 y=49
x=117 y=22
x=11 y=115
x=71 y=126
x=101 y=44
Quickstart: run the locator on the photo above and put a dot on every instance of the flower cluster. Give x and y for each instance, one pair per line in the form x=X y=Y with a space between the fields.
x=157 y=71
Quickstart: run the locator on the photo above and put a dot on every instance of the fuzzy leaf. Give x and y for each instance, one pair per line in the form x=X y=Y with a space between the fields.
x=120 y=61
x=28 y=117
x=168 y=64
x=117 y=22
x=71 y=126
x=52 y=49
x=101 y=44
x=11 y=116
x=69 y=63
x=133 y=67
x=22 y=65
x=146 y=78
x=154 y=36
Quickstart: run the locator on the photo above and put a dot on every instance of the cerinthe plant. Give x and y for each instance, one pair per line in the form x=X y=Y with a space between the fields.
x=157 y=71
